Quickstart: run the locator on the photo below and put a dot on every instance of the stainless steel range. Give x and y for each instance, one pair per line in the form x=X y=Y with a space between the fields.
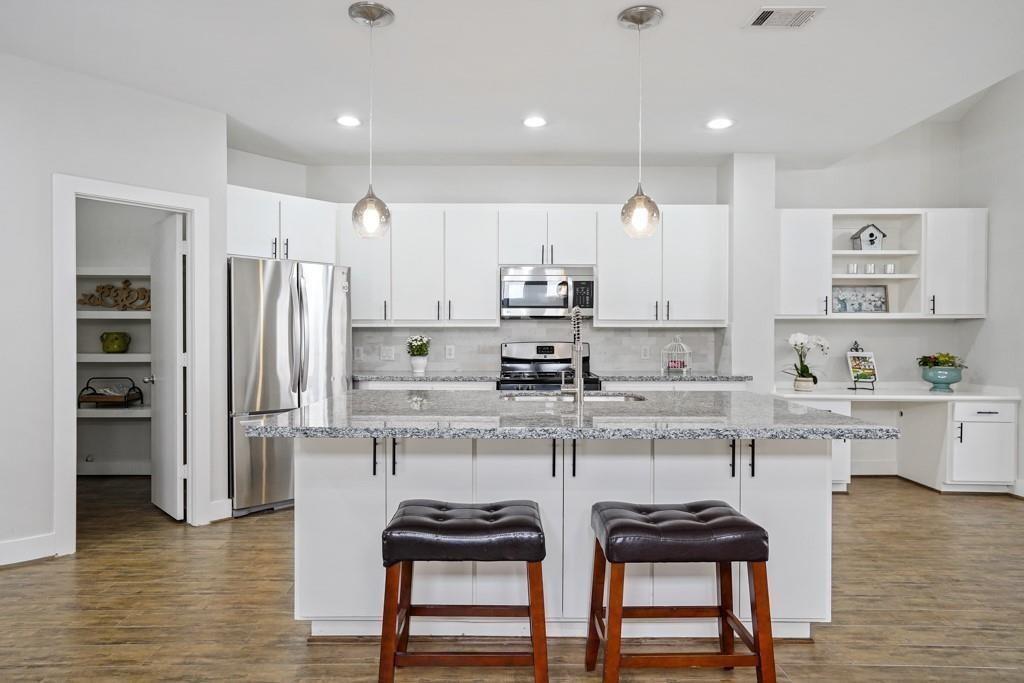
x=542 y=366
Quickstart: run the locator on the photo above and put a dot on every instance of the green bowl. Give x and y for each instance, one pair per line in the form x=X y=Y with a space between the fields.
x=942 y=378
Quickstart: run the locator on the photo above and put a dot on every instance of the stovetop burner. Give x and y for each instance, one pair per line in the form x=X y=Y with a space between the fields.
x=542 y=366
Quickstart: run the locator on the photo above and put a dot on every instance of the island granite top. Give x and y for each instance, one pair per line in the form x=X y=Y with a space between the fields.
x=492 y=376
x=458 y=414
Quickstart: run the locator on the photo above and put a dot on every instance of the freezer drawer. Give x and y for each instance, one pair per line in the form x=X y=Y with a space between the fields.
x=262 y=475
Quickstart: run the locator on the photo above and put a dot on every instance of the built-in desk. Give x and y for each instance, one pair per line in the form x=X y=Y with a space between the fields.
x=965 y=441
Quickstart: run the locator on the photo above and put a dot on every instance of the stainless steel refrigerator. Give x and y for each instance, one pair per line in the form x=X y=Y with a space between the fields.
x=289 y=346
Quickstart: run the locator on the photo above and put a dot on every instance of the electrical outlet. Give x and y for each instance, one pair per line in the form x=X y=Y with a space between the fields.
x=449 y=352
x=645 y=352
x=387 y=352
x=359 y=353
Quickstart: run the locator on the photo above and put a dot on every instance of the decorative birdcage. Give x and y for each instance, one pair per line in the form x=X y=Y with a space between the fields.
x=675 y=358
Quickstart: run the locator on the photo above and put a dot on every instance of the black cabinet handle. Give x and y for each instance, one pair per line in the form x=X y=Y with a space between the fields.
x=732 y=463
x=375 y=456
x=542 y=253
x=574 y=457
x=385 y=309
x=933 y=304
x=554 y=457
x=753 y=455
x=668 y=310
x=961 y=435
x=394 y=457
x=655 y=310
x=438 y=309
x=826 y=305
x=449 y=309
x=987 y=412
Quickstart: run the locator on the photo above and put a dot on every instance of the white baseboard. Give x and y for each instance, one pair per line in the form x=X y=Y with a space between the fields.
x=220 y=509
x=872 y=467
x=1018 y=488
x=115 y=468
x=29 y=548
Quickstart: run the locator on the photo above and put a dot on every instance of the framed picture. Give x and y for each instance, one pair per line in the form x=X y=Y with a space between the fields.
x=862 y=366
x=860 y=299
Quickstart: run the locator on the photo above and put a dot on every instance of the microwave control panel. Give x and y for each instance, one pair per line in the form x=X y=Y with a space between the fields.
x=583 y=293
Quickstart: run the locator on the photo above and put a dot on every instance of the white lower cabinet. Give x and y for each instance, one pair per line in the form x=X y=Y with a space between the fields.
x=984 y=443
x=516 y=470
x=438 y=469
x=601 y=470
x=840 y=447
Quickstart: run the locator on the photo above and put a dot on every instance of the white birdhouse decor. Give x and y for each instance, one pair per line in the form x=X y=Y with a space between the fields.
x=868 y=238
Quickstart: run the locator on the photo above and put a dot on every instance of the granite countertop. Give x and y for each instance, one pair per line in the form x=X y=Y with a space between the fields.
x=485 y=415
x=492 y=376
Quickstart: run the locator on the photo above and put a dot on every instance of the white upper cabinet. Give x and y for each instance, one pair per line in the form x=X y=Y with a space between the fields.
x=628 y=272
x=522 y=235
x=805 y=263
x=417 y=262
x=956 y=261
x=572 y=235
x=253 y=223
x=471 y=265
x=695 y=263
x=309 y=229
x=369 y=261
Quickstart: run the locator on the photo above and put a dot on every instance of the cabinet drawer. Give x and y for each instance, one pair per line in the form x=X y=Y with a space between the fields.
x=980 y=411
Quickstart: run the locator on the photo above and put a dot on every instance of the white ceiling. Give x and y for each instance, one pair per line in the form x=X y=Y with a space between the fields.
x=456 y=77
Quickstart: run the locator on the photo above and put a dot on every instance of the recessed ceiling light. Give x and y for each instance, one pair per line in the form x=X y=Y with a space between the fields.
x=719 y=124
x=348 y=121
x=535 y=122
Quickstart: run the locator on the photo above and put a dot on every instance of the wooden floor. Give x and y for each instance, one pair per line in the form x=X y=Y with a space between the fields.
x=927 y=588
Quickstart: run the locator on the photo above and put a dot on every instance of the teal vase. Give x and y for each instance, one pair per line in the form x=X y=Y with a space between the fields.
x=942 y=378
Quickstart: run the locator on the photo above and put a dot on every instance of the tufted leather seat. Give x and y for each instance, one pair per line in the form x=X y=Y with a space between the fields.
x=432 y=530
x=705 y=531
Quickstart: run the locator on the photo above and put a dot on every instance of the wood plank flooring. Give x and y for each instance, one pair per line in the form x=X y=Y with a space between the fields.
x=927 y=588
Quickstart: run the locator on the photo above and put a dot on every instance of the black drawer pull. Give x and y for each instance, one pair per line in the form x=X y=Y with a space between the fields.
x=987 y=412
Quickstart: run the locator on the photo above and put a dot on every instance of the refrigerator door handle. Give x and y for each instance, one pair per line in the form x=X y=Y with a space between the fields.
x=294 y=333
x=304 y=327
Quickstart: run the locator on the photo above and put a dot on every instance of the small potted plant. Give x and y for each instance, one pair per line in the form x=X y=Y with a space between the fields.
x=803 y=378
x=942 y=370
x=418 y=347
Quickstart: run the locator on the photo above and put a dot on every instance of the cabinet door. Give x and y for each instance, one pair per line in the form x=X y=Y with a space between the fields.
x=695 y=263
x=788 y=491
x=984 y=453
x=604 y=470
x=572 y=235
x=522 y=236
x=437 y=469
x=684 y=472
x=417 y=262
x=956 y=261
x=471 y=264
x=530 y=469
x=253 y=220
x=805 y=262
x=628 y=271
x=309 y=229
x=370 y=275
x=342 y=579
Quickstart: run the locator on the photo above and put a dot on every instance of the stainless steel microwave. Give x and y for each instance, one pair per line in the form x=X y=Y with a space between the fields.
x=546 y=291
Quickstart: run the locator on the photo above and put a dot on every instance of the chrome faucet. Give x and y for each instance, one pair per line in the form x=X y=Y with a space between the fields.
x=577 y=362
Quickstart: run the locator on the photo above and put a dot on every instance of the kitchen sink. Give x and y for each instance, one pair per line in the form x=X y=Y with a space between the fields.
x=548 y=397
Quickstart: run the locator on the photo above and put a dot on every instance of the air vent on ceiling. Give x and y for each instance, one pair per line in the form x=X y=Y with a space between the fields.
x=784 y=17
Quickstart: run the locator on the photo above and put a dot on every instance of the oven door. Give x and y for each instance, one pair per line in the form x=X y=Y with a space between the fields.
x=535 y=296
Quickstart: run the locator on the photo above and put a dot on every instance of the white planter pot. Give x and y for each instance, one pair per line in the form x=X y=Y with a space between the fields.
x=803 y=384
x=419 y=364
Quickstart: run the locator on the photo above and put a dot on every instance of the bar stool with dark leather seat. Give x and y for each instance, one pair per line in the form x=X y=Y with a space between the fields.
x=706 y=531
x=430 y=530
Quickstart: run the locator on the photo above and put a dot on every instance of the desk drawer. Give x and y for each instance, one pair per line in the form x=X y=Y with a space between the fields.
x=984 y=411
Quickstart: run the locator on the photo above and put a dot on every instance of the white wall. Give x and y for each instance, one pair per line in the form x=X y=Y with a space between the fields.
x=992 y=169
x=54 y=121
x=585 y=184
x=263 y=173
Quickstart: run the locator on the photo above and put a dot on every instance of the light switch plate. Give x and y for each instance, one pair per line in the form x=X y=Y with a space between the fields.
x=645 y=352
x=449 y=352
x=387 y=352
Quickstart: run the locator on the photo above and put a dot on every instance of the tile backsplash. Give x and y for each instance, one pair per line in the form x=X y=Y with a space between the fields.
x=477 y=349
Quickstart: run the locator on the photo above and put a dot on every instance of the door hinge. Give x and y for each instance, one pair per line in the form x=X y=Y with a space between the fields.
x=183 y=359
x=183 y=471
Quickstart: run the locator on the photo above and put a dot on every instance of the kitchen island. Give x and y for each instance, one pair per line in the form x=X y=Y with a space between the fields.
x=358 y=455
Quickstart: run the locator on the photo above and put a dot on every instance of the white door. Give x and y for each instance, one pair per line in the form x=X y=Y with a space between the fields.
x=789 y=493
x=471 y=264
x=695 y=263
x=438 y=469
x=369 y=261
x=522 y=236
x=417 y=262
x=805 y=262
x=956 y=261
x=253 y=223
x=572 y=235
x=167 y=391
x=628 y=272
x=308 y=229
x=528 y=469
x=686 y=472
x=604 y=470
x=984 y=453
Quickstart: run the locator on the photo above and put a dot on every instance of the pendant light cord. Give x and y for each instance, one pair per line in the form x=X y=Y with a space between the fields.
x=371 y=102
x=640 y=118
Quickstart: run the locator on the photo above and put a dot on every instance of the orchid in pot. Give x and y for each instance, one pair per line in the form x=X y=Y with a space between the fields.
x=418 y=347
x=803 y=378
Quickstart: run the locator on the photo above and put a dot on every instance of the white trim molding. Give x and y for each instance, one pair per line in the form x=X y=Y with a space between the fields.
x=29 y=548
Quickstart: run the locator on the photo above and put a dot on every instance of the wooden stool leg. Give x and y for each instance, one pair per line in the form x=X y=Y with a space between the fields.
x=389 y=626
x=538 y=629
x=596 y=607
x=761 y=620
x=404 y=600
x=613 y=644
x=726 y=637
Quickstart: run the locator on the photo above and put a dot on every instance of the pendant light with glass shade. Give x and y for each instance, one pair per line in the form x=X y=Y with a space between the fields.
x=371 y=217
x=640 y=214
